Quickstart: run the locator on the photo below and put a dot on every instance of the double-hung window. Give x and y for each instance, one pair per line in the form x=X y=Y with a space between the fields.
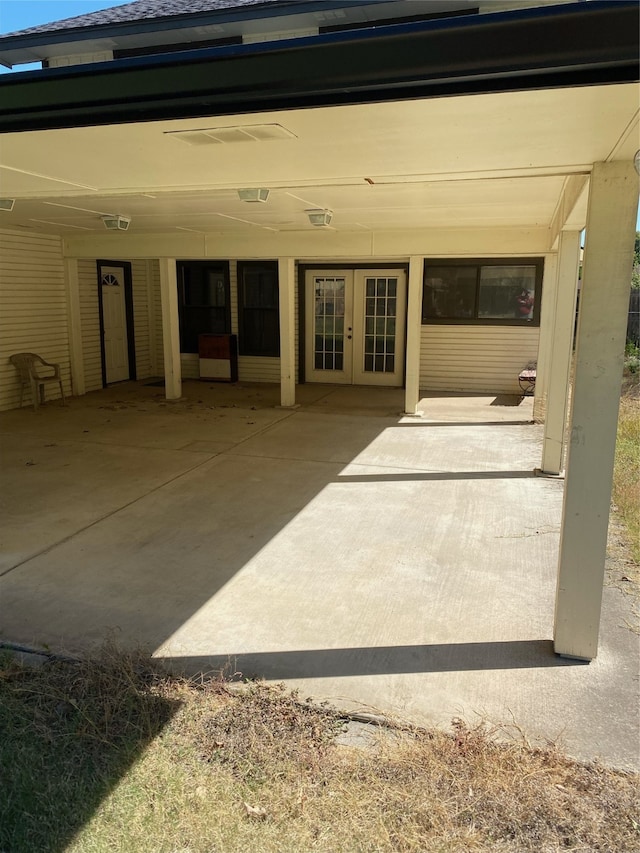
x=258 y=312
x=203 y=301
x=486 y=291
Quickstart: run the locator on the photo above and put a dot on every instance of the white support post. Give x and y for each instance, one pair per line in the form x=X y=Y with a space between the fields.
x=170 y=329
x=414 y=329
x=547 y=331
x=560 y=367
x=604 y=301
x=287 y=285
x=74 y=326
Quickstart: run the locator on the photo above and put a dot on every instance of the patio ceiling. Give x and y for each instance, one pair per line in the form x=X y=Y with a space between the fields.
x=480 y=160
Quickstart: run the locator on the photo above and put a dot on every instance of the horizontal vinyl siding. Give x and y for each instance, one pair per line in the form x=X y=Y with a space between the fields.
x=190 y=365
x=90 y=324
x=33 y=309
x=483 y=359
x=156 y=314
x=258 y=369
x=139 y=270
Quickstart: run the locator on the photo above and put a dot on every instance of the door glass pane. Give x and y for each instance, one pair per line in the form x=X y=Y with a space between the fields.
x=328 y=321
x=380 y=325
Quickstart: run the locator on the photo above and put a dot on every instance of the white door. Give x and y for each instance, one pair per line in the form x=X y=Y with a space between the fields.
x=355 y=324
x=116 y=349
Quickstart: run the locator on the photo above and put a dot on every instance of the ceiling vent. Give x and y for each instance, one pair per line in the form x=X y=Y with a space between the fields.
x=222 y=135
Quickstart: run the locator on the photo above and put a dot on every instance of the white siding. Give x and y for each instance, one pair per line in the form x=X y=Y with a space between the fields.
x=156 y=311
x=139 y=271
x=258 y=369
x=190 y=365
x=479 y=358
x=90 y=324
x=33 y=308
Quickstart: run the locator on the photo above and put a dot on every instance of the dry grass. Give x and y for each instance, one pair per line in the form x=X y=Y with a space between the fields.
x=626 y=485
x=111 y=755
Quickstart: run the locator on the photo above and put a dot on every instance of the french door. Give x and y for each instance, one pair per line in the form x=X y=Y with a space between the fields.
x=355 y=324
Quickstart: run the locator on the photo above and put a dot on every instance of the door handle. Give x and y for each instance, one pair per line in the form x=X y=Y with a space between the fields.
x=348 y=337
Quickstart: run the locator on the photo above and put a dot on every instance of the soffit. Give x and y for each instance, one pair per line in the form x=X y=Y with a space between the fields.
x=487 y=160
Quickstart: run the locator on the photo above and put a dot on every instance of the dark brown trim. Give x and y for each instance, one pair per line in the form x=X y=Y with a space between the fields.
x=128 y=307
x=538 y=262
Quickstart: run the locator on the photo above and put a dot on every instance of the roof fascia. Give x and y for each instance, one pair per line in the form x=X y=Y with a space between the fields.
x=549 y=47
x=172 y=22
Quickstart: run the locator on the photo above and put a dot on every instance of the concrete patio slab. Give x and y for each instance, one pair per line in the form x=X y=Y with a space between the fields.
x=406 y=565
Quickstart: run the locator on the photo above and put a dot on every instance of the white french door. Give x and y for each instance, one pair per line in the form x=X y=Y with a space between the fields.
x=355 y=323
x=114 y=313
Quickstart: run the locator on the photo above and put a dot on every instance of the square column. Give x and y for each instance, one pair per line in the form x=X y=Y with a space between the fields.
x=414 y=330
x=287 y=293
x=604 y=301
x=74 y=325
x=170 y=329
x=547 y=331
x=560 y=366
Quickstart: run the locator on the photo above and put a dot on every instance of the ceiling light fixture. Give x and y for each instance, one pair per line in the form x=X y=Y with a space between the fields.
x=116 y=222
x=255 y=194
x=320 y=218
x=7 y=203
x=636 y=161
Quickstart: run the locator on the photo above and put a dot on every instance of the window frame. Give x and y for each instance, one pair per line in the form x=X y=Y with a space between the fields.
x=244 y=345
x=184 y=307
x=478 y=263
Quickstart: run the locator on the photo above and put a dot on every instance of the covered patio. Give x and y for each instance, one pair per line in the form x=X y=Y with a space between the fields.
x=369 y=558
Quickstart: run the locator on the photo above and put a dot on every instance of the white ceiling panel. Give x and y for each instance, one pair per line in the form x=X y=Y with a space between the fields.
x=484 y=160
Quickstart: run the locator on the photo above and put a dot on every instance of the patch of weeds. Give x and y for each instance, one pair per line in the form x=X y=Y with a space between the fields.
x=112 y=756
x=626 y=481
x=245 y=732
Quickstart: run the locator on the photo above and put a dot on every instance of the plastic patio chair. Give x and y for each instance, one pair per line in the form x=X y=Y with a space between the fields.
x=29 y=365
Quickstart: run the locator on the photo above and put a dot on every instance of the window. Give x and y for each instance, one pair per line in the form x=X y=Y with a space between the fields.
x=258 y=317
x=484 y=291
x=203 y=301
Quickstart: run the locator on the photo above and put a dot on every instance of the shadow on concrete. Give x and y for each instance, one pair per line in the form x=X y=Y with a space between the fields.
x=435 y=475
x=419 y=422
x=148 y=565
x=507 y=400
x=378 y=660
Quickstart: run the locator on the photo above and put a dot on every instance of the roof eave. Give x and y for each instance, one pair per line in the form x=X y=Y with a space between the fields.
x=549 y=47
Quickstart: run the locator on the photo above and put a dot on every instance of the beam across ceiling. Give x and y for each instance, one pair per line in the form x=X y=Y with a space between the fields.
x=548 y=47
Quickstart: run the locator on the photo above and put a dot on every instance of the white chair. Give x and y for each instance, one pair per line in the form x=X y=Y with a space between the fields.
x=30 y=367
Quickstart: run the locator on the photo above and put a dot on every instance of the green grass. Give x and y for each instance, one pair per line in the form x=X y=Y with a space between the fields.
x=112 y=755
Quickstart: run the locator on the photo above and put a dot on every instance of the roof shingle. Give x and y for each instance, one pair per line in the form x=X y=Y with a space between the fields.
x=144 y=10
